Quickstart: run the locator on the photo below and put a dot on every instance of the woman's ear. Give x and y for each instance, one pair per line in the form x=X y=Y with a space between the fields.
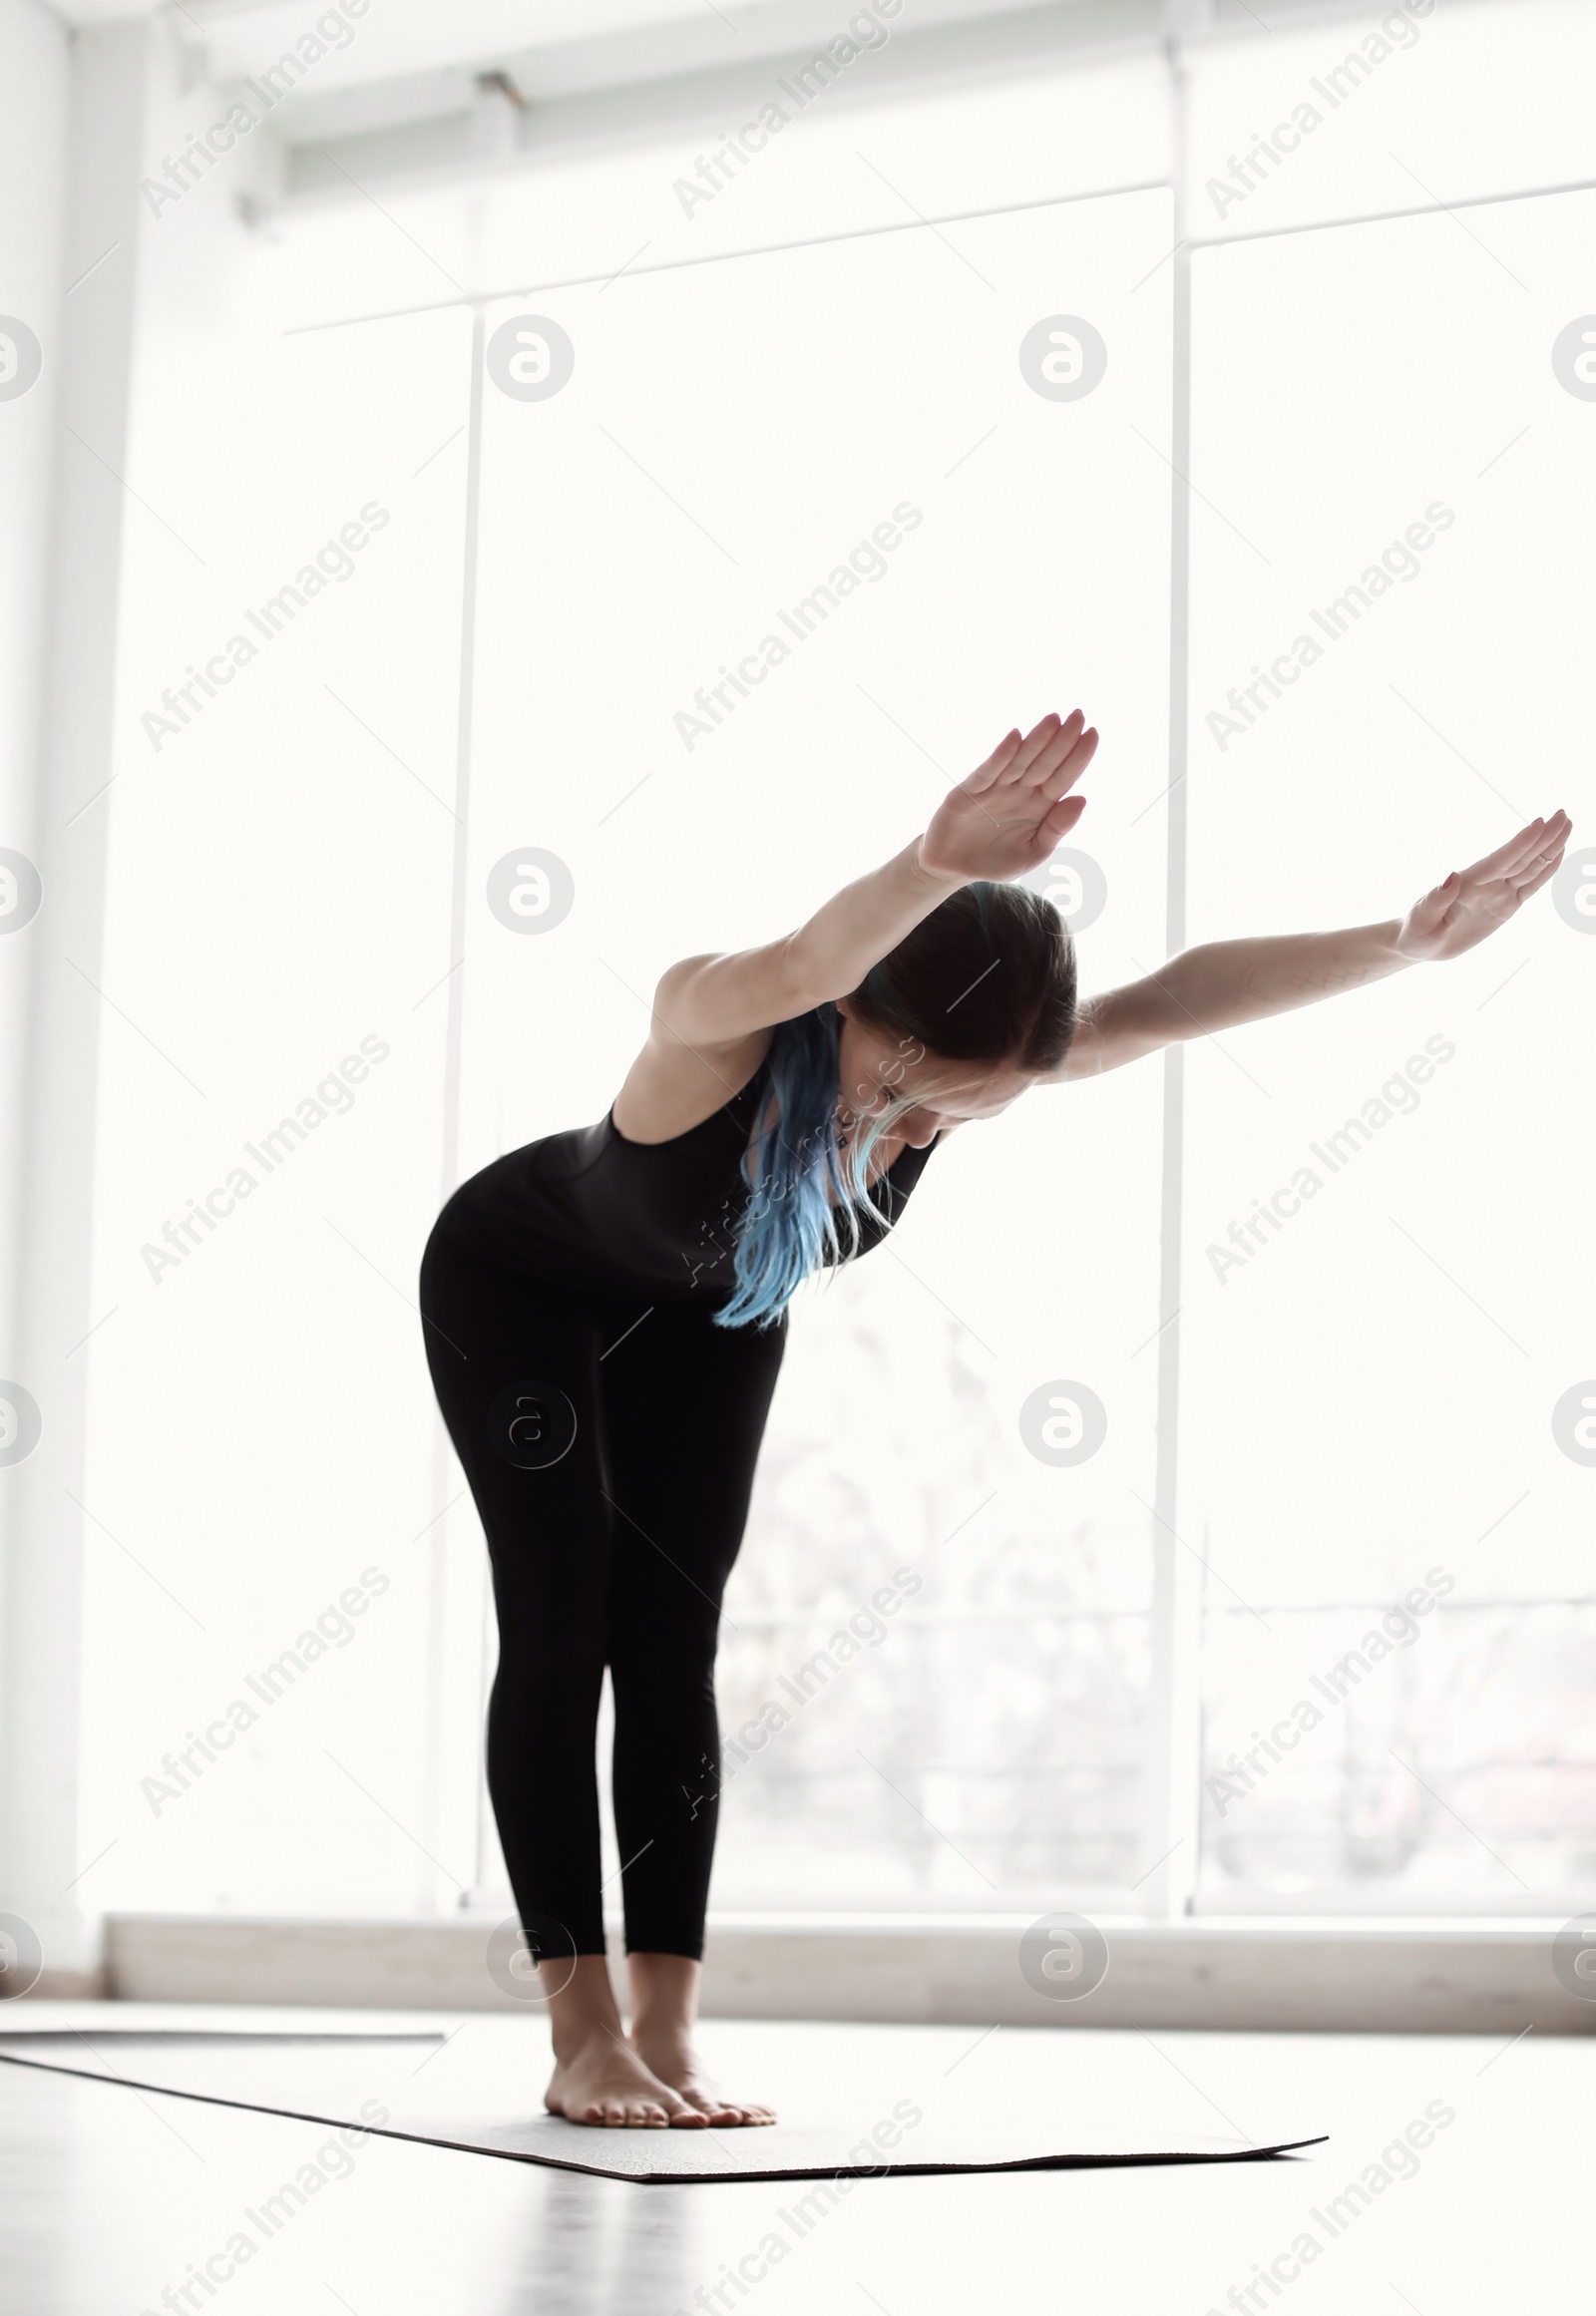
x=844 y=1007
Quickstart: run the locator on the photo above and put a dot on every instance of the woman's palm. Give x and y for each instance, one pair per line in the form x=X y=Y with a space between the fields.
x=1466 y=910
x=1014 y=809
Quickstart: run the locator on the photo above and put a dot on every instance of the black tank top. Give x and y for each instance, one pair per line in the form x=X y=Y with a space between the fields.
x=589 y=1208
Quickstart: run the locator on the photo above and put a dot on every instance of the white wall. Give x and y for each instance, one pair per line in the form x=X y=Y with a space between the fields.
x=33 y=112
x=33 y=97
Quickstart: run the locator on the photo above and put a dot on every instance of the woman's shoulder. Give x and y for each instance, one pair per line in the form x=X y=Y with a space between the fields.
x=672 y=1091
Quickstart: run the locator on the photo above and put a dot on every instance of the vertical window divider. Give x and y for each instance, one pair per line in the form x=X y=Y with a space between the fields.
x=1167 y=1868
x=440 y=1623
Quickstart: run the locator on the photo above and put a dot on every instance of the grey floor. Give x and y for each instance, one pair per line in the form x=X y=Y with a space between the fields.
x=113 y=2200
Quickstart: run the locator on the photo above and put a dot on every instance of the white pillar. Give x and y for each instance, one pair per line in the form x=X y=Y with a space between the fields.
x=80 y=261
x=34 y=70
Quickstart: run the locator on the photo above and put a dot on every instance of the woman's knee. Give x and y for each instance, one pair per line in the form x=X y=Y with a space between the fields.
x=662 y=1695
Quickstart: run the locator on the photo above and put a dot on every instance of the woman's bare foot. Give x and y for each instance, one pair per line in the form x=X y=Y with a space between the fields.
x=598 y=2078
x=664 y=2002
x=677 y=2066
x=604 y=2081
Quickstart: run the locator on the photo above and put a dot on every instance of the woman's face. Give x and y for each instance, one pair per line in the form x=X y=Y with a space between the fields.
x=876 y=1066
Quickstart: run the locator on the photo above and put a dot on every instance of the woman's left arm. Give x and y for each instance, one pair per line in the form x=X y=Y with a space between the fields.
x=1223 y=984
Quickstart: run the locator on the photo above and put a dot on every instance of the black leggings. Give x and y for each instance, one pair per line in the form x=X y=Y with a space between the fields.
x=616 y=1552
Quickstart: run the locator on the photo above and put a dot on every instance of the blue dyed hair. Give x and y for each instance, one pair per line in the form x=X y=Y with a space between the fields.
x=805 y=1190
x=987 y=976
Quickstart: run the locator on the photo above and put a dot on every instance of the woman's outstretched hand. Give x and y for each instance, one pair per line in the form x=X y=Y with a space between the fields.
x=1464 y=909
x=1014 y=809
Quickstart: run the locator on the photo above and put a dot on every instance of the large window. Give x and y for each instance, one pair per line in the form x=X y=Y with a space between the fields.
x=1381 y=1314
x=903 y=400
x=642 y=533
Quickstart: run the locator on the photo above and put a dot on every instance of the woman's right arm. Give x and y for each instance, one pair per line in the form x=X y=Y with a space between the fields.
x=1005 y=819
x=717 y=999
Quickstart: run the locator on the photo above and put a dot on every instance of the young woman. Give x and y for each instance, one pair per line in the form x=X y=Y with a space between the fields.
x=606 y=1314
